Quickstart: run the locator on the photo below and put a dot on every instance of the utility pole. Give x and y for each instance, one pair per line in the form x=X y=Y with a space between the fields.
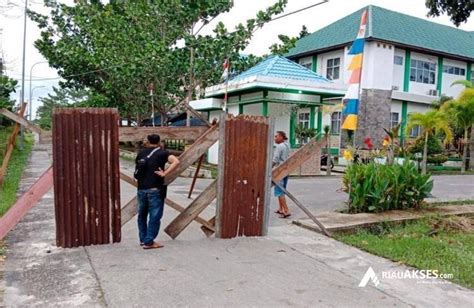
x=22 y=95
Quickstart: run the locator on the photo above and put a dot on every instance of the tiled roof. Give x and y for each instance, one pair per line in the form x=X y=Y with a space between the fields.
x=390 y=26
x=280 y=67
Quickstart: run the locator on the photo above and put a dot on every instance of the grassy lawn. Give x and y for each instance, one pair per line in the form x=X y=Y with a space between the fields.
x=15 y=168
x=443 y=244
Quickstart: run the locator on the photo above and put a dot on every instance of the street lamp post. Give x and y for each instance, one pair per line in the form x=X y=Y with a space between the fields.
x=30 y=108
x=31 y=100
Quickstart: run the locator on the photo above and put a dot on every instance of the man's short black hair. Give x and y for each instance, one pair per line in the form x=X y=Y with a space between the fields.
x=153 y=139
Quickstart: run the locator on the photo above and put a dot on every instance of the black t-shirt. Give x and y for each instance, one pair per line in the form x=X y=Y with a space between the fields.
x=156 y=161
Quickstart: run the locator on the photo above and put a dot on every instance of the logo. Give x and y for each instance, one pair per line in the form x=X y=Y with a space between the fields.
x=369 y=275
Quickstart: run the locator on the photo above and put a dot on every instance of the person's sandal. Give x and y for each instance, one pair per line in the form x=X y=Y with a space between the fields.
x=285 y=215
x=152 y=246
x=278 y=212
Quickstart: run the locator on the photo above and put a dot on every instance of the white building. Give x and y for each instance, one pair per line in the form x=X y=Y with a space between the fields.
x=408 y=63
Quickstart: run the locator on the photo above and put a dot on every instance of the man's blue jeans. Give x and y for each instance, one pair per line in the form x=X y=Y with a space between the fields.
x=150 y=202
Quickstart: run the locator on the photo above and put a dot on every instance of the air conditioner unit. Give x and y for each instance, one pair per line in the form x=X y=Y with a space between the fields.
x=433 y=92
x=395 y=88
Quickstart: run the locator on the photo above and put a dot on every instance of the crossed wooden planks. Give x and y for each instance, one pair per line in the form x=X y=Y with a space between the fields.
x=210 y=193
x=197 y=149
x=11 y=141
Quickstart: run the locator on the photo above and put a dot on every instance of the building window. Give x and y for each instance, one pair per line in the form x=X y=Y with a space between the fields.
x=415 y=131
x=303 y=119
x=422 y=72
x=336 y=118
x=394 y=119
x=398 y=60
x=305 y=63
x=453 y=70
x=332 y=68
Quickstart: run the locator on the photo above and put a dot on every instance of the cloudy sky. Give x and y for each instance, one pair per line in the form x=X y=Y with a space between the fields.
x=11 y=27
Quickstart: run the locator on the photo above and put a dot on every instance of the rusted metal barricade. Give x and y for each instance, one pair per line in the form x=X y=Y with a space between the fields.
x=86 y=176
x=243 y=194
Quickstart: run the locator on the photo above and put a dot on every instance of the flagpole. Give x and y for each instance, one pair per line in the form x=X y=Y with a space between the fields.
x=226 y=73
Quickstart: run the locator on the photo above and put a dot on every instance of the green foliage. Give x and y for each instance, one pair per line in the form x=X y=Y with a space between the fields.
x=424 y=244
x=61 y=98
x=304 y=134
x=287 y=42
x=7 y=87
x=458 y=10
x=119 y=48
x=15 y=169
x=437 y=159
x=434 y=145
x=377 y=188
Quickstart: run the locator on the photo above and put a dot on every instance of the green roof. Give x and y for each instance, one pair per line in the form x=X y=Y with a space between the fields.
x=280 y=67
x=393 y=27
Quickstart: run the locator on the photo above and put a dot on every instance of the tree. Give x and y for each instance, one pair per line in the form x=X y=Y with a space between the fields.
x=432 y=122
x=458 y=10
x=7 y=87
x=287 y=42
x=120 y=48
x=461 y=114
x=63 y=97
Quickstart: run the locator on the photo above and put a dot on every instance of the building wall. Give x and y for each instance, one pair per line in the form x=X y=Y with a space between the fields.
x=377 y=66
x=398 y=70
x=253 y=109
x=281 y=113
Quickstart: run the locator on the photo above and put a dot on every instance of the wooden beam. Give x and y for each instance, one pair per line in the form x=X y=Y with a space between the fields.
x=11 y=145
x=26 y=202
x=212 y=222
x=21 y=120
x=297 y=159
x=196 y=150
x=130 y=209
x=192 y=211
x=167 y=132
x=303 y=208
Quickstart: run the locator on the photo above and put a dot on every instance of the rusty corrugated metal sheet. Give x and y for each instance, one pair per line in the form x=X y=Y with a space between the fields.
x=86 y=176
x=245 y=154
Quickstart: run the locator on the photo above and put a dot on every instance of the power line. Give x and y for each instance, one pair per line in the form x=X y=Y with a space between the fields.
x=121 y=65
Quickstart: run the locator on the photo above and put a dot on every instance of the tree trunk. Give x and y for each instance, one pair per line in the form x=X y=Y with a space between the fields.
x=328 y=161
x=471 y=149
x=464 y=150
x=425 y=155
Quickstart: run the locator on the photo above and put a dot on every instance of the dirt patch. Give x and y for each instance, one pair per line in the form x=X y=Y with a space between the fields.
x=463 y=224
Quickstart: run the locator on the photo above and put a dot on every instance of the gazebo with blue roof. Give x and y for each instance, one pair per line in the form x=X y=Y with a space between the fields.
x=276 y=87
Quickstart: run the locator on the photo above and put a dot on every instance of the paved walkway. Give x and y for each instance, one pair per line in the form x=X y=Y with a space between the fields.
x=289 y=267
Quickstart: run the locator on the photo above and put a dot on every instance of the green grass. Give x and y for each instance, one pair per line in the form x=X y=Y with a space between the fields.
x=15 y=168
x=425 y=244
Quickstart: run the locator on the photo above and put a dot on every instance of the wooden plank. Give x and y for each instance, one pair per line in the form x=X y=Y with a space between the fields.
x=21 y=120
x=167 y=132
x=196 y=150
x=303 y=208
x=221 y=165
x=11 y=146
x=192 y=211
x=297 y=159
x=26 y=202
x=212 y=222
x=195 y=176
x=130 y=209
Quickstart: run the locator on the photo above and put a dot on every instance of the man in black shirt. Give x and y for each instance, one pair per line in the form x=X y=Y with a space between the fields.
x=150 y=173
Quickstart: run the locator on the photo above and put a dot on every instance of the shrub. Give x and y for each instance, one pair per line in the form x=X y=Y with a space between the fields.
x=377 y=188
x=437 y=159
x=434 y=145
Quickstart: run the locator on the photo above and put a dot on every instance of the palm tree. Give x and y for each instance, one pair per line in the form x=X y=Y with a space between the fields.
x=461 y=113
x=431 y=122
x=467 y=95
